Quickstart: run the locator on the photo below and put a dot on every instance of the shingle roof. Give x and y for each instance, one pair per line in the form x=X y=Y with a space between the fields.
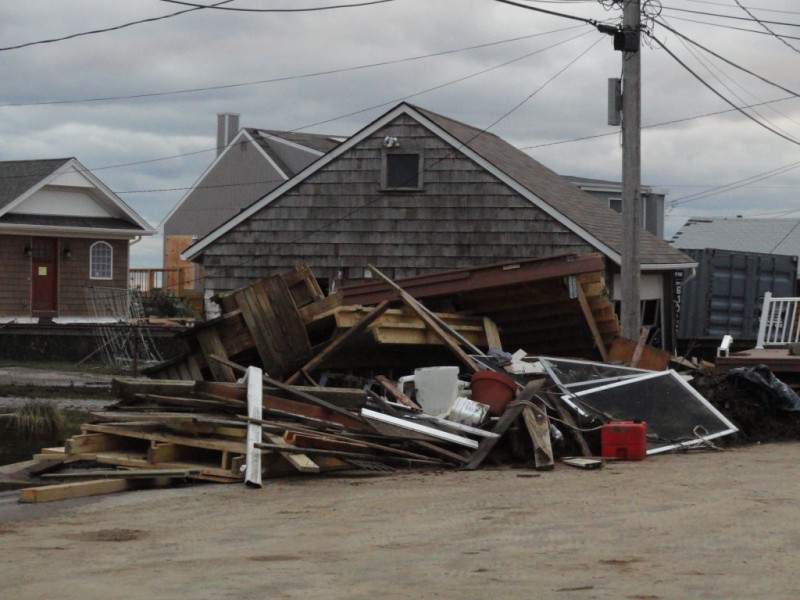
x=579 y=207
x=601 y=224
x=18 y=176
x=315 y=141
x=69 y=221
x=766 y=236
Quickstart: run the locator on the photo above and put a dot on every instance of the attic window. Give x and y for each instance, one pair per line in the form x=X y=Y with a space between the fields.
x=402 y=171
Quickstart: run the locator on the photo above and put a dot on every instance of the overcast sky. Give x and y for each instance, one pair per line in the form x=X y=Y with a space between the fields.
x=150 y=149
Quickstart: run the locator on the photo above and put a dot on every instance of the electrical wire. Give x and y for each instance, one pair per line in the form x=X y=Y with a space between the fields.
x=721 y=96
x=114 y=28
x=731 y=27
x=772 y=10
x=280 y=10
x=286 y=78
x=381 y=196
x=763 y=24
x=357 y=112
x=591 y=22
x=733 y=17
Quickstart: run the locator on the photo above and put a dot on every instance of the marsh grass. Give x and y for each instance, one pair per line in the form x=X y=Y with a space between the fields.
x=38 y=418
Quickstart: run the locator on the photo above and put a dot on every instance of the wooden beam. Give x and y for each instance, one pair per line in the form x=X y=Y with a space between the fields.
x=301 y=462
x=80 y=489
x=292 y=390
x=255 y=390
x=492 y=334
x=210 y=343
x=396 y=393
x=588 y=315
x=341 y=341
x=512 y=411
x=450 y=338
x=538 y=425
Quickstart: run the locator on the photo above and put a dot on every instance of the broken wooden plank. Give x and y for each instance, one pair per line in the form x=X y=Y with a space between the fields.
x=588 y=315
x=339 y=342
x=538 y=425
x=210 y=343
x=126 y=473
x=292 y=390
x=301 y=462
x=79 y=489
x=397 y=394
x=512 y=411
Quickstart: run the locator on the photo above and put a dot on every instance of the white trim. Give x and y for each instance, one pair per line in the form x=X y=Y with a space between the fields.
x=75 y=232
x=294 y=145
x=91 y=261
x=99 y=186
x=668 y=267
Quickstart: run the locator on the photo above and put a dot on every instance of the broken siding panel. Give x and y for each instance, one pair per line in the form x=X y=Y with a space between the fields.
x=339 y=219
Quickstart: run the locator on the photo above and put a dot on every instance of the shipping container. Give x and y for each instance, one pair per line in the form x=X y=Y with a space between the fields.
x=726 y=294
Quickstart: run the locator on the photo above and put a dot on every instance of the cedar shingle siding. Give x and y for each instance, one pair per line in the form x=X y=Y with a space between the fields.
x=339 y=219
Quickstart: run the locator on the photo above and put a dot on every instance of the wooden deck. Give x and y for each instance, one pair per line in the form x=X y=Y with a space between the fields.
x=777 y=359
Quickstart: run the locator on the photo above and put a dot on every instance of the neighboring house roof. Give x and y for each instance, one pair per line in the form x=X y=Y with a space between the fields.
x=589 y=183
x=284 y=152
x=34 y=199
x=18 y=176
x=596 y=224
x=766 y=236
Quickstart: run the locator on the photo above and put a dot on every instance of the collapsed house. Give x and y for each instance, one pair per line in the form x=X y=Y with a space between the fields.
x=288 y=380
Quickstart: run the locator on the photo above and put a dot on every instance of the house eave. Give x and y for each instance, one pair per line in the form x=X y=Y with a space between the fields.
x=76 y=232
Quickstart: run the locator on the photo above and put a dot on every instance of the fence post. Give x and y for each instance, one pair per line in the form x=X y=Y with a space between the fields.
x=762 y=326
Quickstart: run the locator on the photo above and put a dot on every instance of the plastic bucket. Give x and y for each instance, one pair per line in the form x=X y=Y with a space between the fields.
x=494 y=389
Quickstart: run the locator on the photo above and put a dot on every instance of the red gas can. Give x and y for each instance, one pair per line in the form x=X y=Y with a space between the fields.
x=625 y=440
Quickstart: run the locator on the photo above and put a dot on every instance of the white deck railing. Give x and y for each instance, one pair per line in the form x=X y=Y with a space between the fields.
x=779 y=322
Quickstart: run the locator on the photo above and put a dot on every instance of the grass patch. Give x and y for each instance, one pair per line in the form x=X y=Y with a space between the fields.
x=37 y=419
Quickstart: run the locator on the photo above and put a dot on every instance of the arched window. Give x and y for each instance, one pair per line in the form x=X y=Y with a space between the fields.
x=101 y=261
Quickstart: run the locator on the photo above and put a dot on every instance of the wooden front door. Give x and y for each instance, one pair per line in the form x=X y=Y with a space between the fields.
x=44 y=275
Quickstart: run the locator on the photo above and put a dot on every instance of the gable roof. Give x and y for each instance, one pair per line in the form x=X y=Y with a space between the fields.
x=18 y=176
x=21 y=179
x=312 y=144
x=765 y=236
x=598 y=225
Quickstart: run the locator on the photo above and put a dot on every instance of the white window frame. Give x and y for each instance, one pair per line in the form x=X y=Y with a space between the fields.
x=110 y=261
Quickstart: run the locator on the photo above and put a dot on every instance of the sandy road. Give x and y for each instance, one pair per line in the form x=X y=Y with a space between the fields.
x=713 y=525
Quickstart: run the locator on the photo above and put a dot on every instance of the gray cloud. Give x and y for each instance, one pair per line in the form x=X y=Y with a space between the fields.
x=208 y=48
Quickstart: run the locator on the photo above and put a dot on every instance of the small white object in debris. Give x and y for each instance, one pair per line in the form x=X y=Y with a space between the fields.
x=467 y=412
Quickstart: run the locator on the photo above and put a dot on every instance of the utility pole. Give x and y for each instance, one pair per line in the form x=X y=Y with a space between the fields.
x=631 y=168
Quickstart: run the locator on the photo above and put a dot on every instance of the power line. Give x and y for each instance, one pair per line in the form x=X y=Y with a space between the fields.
x=713 y=191
x=762 y=23
x=661 y=124
x=772 y=10
x=114 y=28
x=286 y=78
x=731 y=27
x=280 y=10
x=722 y=58
x=721 y=96
x=591 y=22
x=734 y=17
x=380 y=196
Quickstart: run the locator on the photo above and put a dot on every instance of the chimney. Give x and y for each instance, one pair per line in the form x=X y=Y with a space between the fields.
x=227 y=128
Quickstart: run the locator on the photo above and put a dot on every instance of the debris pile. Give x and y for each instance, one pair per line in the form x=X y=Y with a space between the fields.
x=288 y=381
